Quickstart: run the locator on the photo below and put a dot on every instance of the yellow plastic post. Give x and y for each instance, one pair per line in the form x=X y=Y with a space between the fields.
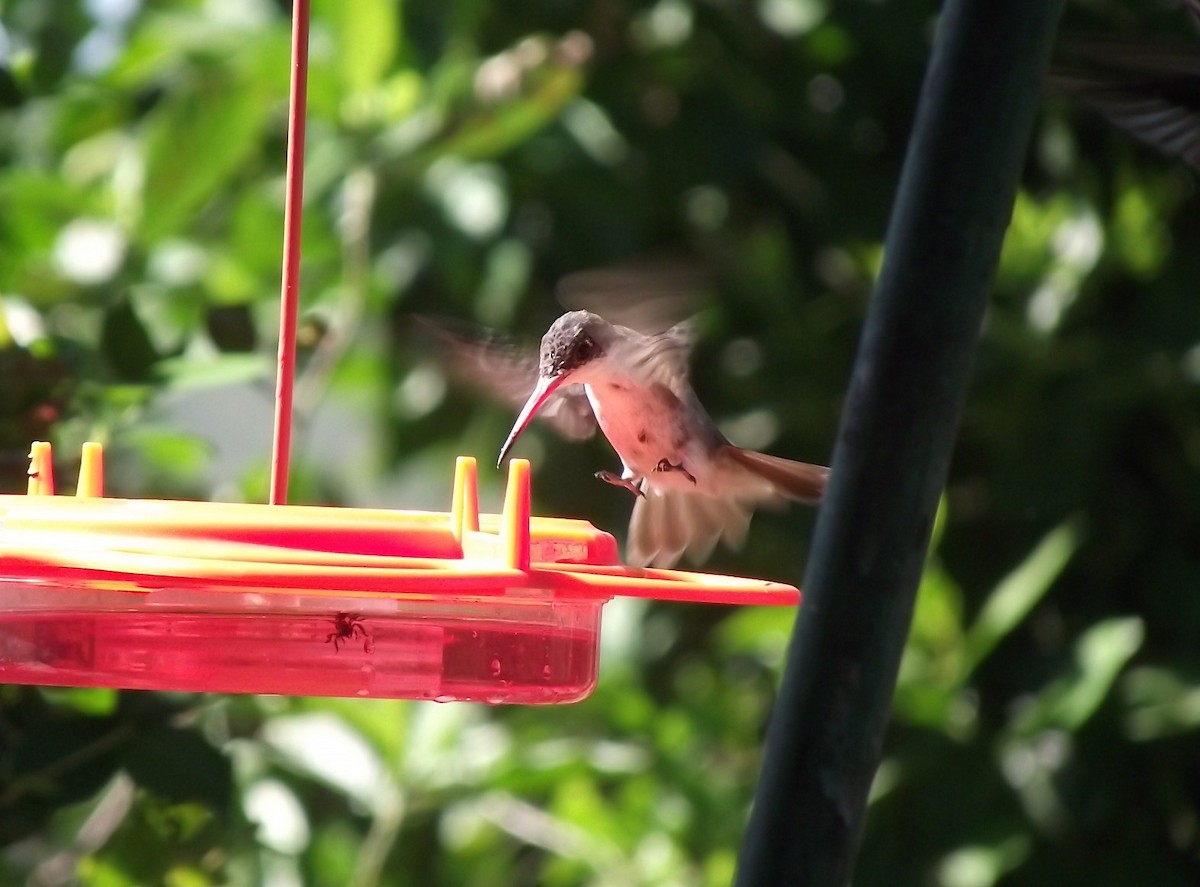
x=514 y=522
x=41 y=469
x=464 y=510
x=91 y=471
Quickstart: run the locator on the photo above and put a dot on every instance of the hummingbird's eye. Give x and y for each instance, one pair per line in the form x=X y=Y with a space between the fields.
x=586 y=349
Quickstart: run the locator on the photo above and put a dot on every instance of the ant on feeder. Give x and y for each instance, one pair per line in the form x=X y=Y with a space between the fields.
x=347 y=627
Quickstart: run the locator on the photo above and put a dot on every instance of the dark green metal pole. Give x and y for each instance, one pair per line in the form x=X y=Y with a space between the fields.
x=889 y=464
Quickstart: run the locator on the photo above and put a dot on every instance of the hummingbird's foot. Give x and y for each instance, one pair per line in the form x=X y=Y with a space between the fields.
x=664 y=465
x=617 y=481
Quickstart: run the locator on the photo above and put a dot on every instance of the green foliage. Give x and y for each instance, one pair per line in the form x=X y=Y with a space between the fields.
x=462 y=157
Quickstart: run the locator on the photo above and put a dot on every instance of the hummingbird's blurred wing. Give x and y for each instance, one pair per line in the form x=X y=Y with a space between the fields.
x=662 y=358
x=1151 y=91
x=666 y=524
x=655 y=303
x=507 y=372
x=648 y=297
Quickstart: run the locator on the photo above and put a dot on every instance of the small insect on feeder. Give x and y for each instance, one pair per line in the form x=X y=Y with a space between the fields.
x=247 y=598
x=205 y=596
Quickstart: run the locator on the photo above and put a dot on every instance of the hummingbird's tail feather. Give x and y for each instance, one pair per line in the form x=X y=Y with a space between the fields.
x=666 y=524
x=796 y=480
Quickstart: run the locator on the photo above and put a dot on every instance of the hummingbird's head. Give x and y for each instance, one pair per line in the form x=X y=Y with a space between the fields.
x=572 y=342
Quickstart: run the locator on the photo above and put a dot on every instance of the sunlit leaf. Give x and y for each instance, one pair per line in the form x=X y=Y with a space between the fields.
x=937 y=618
x=982 y=865
x=762 y=632
x=196 y=140
x=1027 y=252
x=104 y=873
x=186 y=876
x=931 y=670
x=85 y=700
x=1100 y=654
x=323 y=746
x=168 y=451
x=1160 y=703
x=384 y=722
x=1143 y=242
x=367 y=35
x=489 y=133
x=47 y=204
x=185 y=373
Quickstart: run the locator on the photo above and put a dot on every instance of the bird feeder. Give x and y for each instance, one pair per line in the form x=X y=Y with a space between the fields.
x=157 y=594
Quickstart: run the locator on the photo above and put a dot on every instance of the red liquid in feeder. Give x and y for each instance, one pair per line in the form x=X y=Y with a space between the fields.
x=512 y=652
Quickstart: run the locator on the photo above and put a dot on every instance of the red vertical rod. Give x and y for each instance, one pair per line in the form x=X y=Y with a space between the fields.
x=290 y=289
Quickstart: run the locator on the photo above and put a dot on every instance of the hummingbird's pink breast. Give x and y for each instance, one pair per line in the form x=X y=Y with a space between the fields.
x=644 y=424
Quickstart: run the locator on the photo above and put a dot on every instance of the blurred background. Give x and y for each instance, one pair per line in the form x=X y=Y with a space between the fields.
x=462 y=159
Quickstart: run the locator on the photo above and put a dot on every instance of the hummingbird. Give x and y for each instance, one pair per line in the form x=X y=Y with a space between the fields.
x=692 y=487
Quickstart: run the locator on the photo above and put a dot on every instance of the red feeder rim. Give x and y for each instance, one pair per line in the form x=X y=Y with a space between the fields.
x=139 y=545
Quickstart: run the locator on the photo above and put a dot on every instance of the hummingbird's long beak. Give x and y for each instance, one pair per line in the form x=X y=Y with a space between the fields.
x=546 y=386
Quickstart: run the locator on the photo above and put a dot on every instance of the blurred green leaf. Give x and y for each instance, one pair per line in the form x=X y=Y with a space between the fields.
x=179 y=765
x=1160 y=703
x=125 y=339
x=85 y=700
x=47 y=203
x=939 y=524
x=367 y=33
x=169 y=316
x=196 y=140
x=762 y=632
x=1028 y=244
x=931 y=672
x=1100 y=654
x=942 y=654
x=937 y=619
x=183 y=876
x=1019 y=592
x=10 y=93
x=51 y=759
x=178 y=821
x=384 y=722
x=982 y=866
x=220 y=370
x=100 y=873
x=488 y=133
x=164 y=452
x=1142 y=241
